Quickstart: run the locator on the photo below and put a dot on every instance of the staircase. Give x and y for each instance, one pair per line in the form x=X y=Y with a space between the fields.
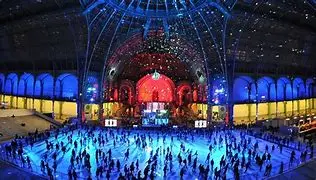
x=49 y=119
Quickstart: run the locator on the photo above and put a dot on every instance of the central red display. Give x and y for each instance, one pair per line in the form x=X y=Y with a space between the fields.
x=152 y=89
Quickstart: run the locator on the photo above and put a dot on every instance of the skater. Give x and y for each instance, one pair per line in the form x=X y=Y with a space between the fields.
x=118 y=165
x=181 y=173
x=281 y=168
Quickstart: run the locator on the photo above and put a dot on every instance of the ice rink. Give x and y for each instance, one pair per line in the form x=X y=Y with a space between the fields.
x=154 y=143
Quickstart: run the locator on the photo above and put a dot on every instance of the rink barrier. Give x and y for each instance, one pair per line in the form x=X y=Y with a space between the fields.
x=294 y=147
x=275 y=171
x=293 y=169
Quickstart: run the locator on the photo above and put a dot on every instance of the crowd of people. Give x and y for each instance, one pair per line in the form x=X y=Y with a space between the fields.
x=92 y=152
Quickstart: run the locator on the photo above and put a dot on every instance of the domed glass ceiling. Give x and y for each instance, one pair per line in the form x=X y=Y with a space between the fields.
x=201 y=23
x=159 y=8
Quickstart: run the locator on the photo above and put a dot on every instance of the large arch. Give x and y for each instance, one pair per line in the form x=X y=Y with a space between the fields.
x=266 y=89
x=26 y=85
x=126 y=91
x=298 y=88
x=284 y=89
x=66 y=86
x=244 y=89
x=2 y=80
x=11 y=84
x=150 y=89
x=44 y=86
x=180 y=48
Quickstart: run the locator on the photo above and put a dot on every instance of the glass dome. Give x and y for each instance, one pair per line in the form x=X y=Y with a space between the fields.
x=159 y=8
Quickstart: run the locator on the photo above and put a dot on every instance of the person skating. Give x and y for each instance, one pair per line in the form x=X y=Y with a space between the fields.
x=165 y=170
x=55 y=166
x=69 y=174
x=108 y=175
x=216 y=173
x=281 y=168
x=28 y=161
x=74 y=175
x=212 y=164
x=118 y=165
x=247 y=166
x=208 y=158
x=121 y=177
x=132 y=167
x=182 y=173
x=139 y=175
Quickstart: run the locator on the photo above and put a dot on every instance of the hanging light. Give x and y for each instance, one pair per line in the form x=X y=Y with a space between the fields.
x=155 y=75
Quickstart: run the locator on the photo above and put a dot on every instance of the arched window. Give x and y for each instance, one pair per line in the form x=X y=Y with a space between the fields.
x=66 y=86
x=284 y=89
x=298 y=88
x=11 y=84
x=44 y=86
x=266 y=89
x=26 y=85
x=244 y=89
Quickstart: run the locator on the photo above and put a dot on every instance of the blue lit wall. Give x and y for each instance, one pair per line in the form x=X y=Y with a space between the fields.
x=42 y=85
x=26 y=85
x=266 y=89
x=244 y=87
x=66 y=86
x=298 y=88
x=271 y=90
x=241 y=89
x=284 y=89
x=11 y=84
x=44 y=82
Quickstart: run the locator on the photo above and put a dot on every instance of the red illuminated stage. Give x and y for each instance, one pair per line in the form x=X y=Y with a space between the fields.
x=155 y=88
x=155 y=94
